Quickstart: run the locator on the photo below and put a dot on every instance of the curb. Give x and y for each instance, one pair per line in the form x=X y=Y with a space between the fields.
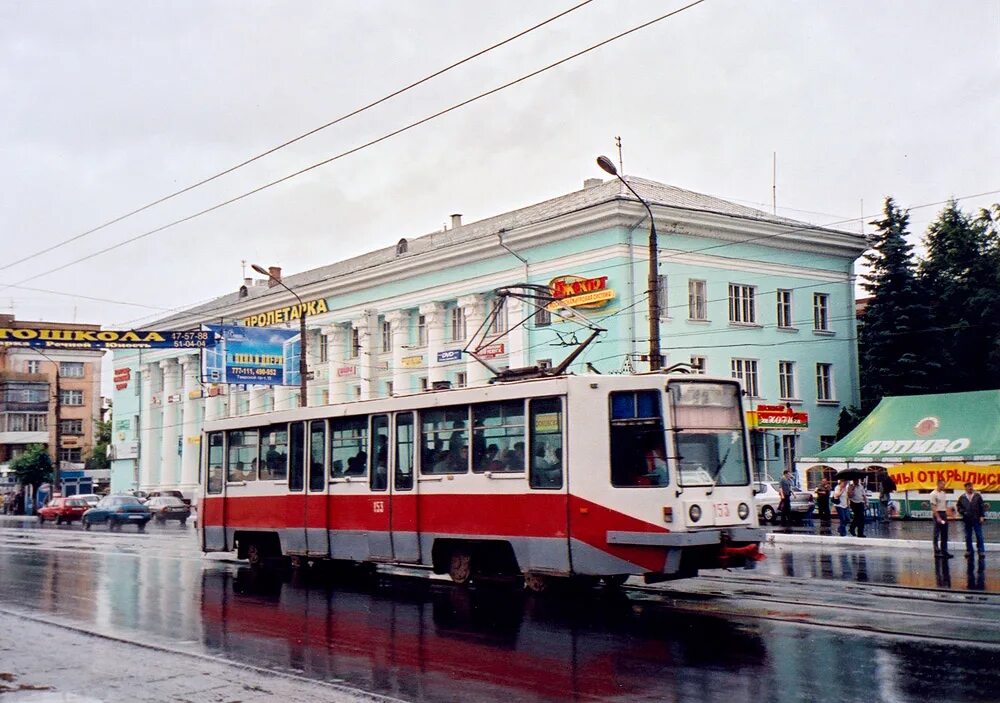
x=848 y=541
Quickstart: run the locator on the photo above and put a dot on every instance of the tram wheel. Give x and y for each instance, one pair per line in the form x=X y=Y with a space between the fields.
x=537 y=583
x=460 y=566
x=615 y=580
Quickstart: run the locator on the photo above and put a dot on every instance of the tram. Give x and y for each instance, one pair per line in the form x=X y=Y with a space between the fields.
x=594 y=477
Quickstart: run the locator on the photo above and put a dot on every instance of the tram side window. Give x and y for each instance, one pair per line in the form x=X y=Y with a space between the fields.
x=445 y=441
x=242 y=455
x=216 y=463
x=348 y=447
x=498 y=436
x=546 y=459
x=274 y=453
x=317 y=455
x=296 y=455
x=403 y=480
x=379 y=480
x=638 y=448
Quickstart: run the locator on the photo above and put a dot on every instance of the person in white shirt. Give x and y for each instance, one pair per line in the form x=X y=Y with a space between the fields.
x=859 y=501
x=939 y=511
x=842 y=504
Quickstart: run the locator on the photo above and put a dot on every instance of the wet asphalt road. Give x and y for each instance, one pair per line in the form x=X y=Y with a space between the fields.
x=426 y=640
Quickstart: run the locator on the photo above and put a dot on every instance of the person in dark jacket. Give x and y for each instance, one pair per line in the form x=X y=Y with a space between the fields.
x=970 y=507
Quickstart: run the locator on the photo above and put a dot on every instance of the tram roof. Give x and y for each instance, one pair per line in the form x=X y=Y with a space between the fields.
x=657 y=194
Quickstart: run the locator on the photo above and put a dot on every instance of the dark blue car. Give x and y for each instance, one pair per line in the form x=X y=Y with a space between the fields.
x=118 y=511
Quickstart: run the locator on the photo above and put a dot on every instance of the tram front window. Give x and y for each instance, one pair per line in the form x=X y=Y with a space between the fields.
x=708 y=434
x=638 y=452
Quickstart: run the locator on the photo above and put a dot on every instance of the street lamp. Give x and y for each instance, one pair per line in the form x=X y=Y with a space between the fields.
x=302 y=331
x=653 y=284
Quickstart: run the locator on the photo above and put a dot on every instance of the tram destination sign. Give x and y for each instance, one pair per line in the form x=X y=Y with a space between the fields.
x=51 y=338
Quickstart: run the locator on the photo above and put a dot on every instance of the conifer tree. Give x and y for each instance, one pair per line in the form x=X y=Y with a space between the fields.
x=890 y=337
x=961 y=281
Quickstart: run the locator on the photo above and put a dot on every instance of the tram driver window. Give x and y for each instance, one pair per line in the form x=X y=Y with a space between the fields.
x=638 y=447
x=349 y=447
x=379 y=480
x=404 y=452
x=242 y=456
x=498 y=437
x=546 y=455
x=216 y=462
x=444 y=441
x=274 y=453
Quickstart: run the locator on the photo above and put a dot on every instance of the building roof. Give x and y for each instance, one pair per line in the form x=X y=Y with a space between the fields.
x=656 y=194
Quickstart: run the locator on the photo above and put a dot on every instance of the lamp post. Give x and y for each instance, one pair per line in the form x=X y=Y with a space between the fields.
x=302 y=332
x=655 y=361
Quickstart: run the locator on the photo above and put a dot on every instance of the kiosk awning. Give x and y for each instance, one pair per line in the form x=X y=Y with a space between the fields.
x=924 y=428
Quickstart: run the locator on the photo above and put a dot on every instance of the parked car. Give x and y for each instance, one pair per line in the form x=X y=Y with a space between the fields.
x=174 y=494
x=61 y=510
x=169 y=508
x=766 y=500
x=118 y=510
x=91 y=499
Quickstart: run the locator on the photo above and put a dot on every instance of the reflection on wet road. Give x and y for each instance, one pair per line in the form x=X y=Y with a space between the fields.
x=426 y=640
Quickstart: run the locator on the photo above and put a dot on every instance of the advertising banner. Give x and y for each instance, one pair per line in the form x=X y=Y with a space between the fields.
x=104 y=339
x=777 y=417
x=252 y=355
x=449 y=355
x=915 y=477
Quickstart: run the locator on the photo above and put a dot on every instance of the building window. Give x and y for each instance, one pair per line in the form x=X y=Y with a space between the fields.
x=789 y=450
x=697 y=300
x=499 y=323
x=388 y=388
x=71 y=369
x=421 y=330
x=746 y=371
x=33 y=366
x=785 y=308
x=70 y=454
x=386 y=336
x=699 y=364
x=826 y=441
x=742 y=304
x=423 y=383
x=543 y=317
x=324 y=354
x=661 y=291
x=821 y=312
x=824 y=382
x=24 y=422
x=355 y=350
x=74 y=427
x=460 y=379
x=71 y=397
x=458 y=324
x=786 y=379
x=357 y=392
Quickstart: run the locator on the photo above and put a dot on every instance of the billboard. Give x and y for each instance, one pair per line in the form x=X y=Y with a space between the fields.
x=252 y=355
x=104 y=339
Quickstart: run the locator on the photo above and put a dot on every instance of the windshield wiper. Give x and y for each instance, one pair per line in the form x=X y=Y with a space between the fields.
x=718 y=470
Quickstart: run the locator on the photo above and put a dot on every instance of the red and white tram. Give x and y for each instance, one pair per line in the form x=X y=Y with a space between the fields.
x=597 y=476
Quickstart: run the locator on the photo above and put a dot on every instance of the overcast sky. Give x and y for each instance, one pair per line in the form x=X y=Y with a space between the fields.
x=105 y=106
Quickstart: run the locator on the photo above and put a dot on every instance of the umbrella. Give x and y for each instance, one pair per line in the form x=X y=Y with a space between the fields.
x=850 y=474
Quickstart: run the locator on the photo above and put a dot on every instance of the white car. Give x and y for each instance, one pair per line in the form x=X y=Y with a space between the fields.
x=91 y=499
x=766 y=501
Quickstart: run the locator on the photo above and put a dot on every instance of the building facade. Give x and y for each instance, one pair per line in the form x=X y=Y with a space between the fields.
x=51 y=397
x=742 y=293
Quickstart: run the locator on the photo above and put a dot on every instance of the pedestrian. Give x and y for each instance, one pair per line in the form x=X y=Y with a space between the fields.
x=970 y=507
x=886 y=487
x=785 y=494
x=858 y=495
x=840 y=502
x=823 y=499
x=939 y=511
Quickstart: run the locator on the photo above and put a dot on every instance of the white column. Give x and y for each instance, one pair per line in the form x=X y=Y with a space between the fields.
x=283 y=398
x=190 y=425
x=398 y=322
x=147 y=446
x=475 y=312
x=258 y=400
x=314 y=388
x=171 y=430
x=368 y=356
x=434 y=318
x=340 y=340
x=215 y=407
x=515 y=339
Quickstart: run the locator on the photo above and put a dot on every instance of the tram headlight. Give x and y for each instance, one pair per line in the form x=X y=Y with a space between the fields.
x=743 y=511
x=694 y=512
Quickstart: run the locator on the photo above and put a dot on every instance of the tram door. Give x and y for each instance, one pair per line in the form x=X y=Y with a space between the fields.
x=403 y=499
x=295 y=536
x=317 y=504
x=380 y=502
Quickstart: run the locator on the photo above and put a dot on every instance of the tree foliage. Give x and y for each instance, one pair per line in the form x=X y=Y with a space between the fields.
x=34 y=467
x=98 y=458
